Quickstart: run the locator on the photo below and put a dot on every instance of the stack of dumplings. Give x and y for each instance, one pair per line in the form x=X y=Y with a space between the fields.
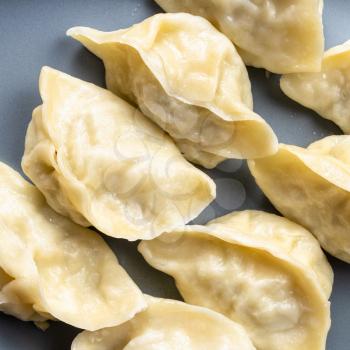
x=119 y=160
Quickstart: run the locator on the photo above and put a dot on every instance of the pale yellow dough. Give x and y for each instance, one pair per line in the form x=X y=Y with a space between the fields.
x=99 y=161
x=282 y=36
x=260 y=270
x=51 y=268
x=326 y=92
x=312 y=187
x=188 y=78
x=169 y=325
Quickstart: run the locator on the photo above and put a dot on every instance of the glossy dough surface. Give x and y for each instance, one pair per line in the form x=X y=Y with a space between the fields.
x=101 y=162
x=312 y=187
x=279 y=234
x=188 y=78
x=328 y=91
x=260 y=270
x=51 y=268
x=280 y=36
x=169 y=325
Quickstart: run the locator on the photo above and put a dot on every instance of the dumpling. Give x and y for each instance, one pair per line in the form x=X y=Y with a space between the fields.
x=280 y=36
x=312 y=187
x=102 y=163
x=284 y=236
x=169 y=325
x=51 y=268
x=188 y=78
x=258 y=269
x=327 y=92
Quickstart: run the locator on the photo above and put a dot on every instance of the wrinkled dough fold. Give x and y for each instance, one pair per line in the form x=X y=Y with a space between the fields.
x=280 y=36
x=169 y=325
x=99 y=161
x=188 y=78
x=51 y=268
x=326 y=92
x=260 y=270
x=312 y=187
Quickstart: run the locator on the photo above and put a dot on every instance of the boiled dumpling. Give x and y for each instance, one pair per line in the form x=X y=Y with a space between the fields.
x=258 y=269
x=280 y=36
x=328 y=91
x=169 y=325
x=51 y=268
x=284 y=236
x=312 y=187
x=102 y=163
x=188 y=78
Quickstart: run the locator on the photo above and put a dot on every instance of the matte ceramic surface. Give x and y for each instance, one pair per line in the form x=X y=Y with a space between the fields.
x=32 y=34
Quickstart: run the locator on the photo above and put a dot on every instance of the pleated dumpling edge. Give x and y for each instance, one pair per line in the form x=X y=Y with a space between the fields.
x=260 y=270
x=327 y=91
x=169 y=324
x=53 y=269
x=189 y=79
x=282 y=37
x=99 y=161
x=311 y=186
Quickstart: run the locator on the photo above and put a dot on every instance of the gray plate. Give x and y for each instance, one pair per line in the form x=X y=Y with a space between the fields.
x=32 y=34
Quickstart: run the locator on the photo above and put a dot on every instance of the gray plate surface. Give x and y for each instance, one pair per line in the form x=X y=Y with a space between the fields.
x=32 y=34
